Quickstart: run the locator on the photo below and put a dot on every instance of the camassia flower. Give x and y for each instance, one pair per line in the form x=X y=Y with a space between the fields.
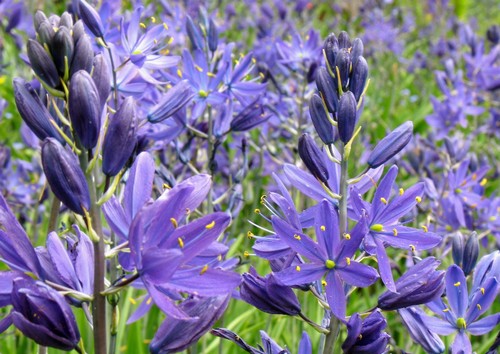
x=463 y=310
x=384 y=227
x=331 y=257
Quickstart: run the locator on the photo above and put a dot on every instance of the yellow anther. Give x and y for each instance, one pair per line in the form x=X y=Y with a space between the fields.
x=394 y=232
x=250 y=234
x=132 y=301
x=482 y=291
x=347 y=236
x=166 y=27
x=246 y=254
x=383 y=200
x=418 y=199
x=254 y=61
x=210 y=226
x=170 y=39
x=262 y=76
x=166 y=186
x=360 y=336
x=197 y=67
x=425 y=228
x=142 y=25
x=181 y=242
x=257 y=211
x=323 y=282
x=179 y=73
x=153 y=19
x=446 y=309
x=413 y=248
x=478 y=307
x=297 y=237
x=297 y=268
x=401 y=191
x=148 y=301
x=492 y=218
x=483 y=182
x=210 y=74
x=348 y=260
x=474 y=177
x=174 y=222
x=219 y=257
x=204 y=269
x=322 y=228
x=263 y=198
x=457 y=283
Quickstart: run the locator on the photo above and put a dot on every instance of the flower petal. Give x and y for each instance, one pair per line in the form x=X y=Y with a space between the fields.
x=335 y=294
x=456 y=290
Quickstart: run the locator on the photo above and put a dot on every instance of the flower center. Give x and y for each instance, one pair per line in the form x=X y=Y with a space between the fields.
x=377 y=227
x=461 y=323
x=330 y=264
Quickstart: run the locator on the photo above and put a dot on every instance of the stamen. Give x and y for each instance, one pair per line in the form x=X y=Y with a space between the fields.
x=181 y=242
x=297 y=268
x=204 y=269
x=383 y=200
x=174 y=222
x=210 y=226
x=418 y=199
x=401 y=191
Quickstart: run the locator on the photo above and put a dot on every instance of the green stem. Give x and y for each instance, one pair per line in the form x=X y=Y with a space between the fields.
x=99 y=303
x=54 y=213
x=331 y=338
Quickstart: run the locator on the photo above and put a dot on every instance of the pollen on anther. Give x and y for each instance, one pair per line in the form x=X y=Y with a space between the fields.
x=250 y=234
x=246 y=254
x=347 y=236
x=482 y=291
x=322 y=227
x=348 y=260
x=413 y=248
x=401 y=191
x=174 y=222
x=323 y=282
x=478 y=307
x=257 y=211
x=425 y=228
x=483 y=182
x=418 y=199
x=297 y=268
x=383 y=200
x=297 y=237
x=395 y=232
x=153 y=19
x=204 y=269
x=181 y=242
x=457 y=283
x=142 y=25
x=210 y=226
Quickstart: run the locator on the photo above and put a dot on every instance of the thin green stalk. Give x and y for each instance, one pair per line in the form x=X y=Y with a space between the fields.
x=331 y=338
x=54 y=213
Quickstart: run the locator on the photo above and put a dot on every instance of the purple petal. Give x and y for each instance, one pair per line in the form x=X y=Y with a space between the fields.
x=482 y=300
x=305 y=182
x=461 y=344
x=139 y=184
x=211 y=282
x=384 y=191
x=84 y=261
x=142 y=310
x=401 y=205
x=327 y=228
x=61 y=261
x=335 y=294
x=484 y=325
x=438 y=325
x=349 y=246
x=304 y=274
x=407 y=237
x=158 y=265
x=384 y=266
x=456 y=290
x=357 y=274
x=118 y=221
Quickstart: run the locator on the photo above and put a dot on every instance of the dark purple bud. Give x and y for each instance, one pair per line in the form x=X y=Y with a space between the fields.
x=176 y=335
x=366 y=336
x=46 y=33
x=346 y=116
x=343 y=64
x=493 y=34
x=421 y=284
x=393 y=143
x=66 y=20
x=102 y=78
x=457 y=248
x=471 y=253
x=39 y=18
x=91 y=18
x=120 y=139
x=328 y=88
x=33 y=111
x=54 y=19
x=194 y=34
x=311 y=72
x=250 y=117
x=268 y=295
x=43 y=315
x=419 y=333
x=357 y=49
x=213 y=36
x=176 y=98
x=344 y=40
x=65 y=177
x=331 y=48
x=233 y=337
x=359 y=76
x=84 y=109
x=312 y=158
x=78 y=31
x=83 y=57
x=319 y=117
x=42 y=64
x=62 y=49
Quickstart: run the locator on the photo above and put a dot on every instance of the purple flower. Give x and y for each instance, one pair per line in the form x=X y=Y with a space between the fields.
x=463 y=310
x=43 y=315
x=384 y=227
x=417 y=328
x=366 y=336
x=331 y=256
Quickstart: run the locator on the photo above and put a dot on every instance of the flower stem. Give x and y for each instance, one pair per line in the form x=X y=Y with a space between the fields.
x=331 y=338
x=54 y=213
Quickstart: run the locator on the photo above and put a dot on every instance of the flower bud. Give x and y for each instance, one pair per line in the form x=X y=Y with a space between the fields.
x=366 y=336
x=213 y=36
x=359 y=76
x=62 y=49
x=357 y=49
x=346 y=116
x=268 y=295
x=422 y=283
x=78 y=31
x=42 y=64
x=331 y=48
x=194 y=34
x=84 y=109
x=39 y=18
x=412 y=319
x=33 y=111
x=91 y=18
x=343 y=63
x=176 y=98
x=312 y=158
x=393 y=143
x=344 y=40
x=66 y=20
x=320 y=120
x=471 y=253
x=65 y=177
x=249 y=117
x=102 y=78
x=120 y=139
x=493 y=34
x=457 y=248
x=83 y=57
x=328 y=88
x=43 y=315
x=45 y=34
